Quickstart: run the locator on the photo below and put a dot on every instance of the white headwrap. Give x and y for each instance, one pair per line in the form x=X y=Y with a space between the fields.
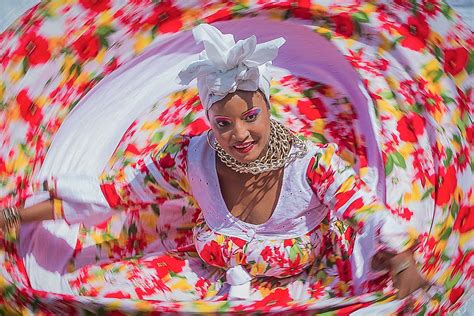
x=225 y=66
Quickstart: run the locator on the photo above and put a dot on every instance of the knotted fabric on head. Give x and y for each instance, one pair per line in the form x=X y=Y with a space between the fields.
x=225 y=66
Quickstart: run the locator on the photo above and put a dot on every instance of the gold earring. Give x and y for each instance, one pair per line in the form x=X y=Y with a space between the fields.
x=209 y=140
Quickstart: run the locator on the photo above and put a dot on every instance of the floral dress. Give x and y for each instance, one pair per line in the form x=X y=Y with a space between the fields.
x=232 y=259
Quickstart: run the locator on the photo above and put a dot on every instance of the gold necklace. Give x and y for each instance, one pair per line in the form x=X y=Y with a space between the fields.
x=278 y=152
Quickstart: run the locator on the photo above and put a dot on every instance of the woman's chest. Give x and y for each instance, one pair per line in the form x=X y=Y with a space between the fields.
x=286 y=208
x=251 y=198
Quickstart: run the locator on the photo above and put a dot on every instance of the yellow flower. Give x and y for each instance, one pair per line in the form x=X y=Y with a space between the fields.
x=191 y=15
x=207 y=307
x=41 y=101
x=101 y=55
x=436 y=39
x=343 y=286
x=363 y=171
x=430 y=72
x=150 y=126
x=15 y=76
x=328 y=154
x=105 y=18
x=18 y=163
x=414 y=195
x=264 y=291
x=455 y=116
x=283 y=99
x=220 y=239
x=466 y=238
x=347 y=184
x=275 y=14
x=350 y=42
x=148 y=219
x=2 y=90
x=317 y=9
x=406 y=150
x=443 y=277
x=369 y=8
x=238 y=257
x=141 y=42
x=144 y=306
x=258 y=268
x=318 y=126
x=56 y=44
x=181 y=284
x=53 y=6
x=437 y=116
x=242 y=2
x=386 y=107
x=67 y=64
x=461 y=77
x=113 y=305
x=384 y=46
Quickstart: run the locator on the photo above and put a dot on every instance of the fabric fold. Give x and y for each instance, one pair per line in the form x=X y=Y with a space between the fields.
x=239 y=280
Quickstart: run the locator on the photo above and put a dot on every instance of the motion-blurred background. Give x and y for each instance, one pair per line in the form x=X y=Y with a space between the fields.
x=11 y=9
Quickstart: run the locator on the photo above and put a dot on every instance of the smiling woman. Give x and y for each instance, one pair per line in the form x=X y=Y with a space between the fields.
x=275 y=189
x=241 y=124
x=282 y=187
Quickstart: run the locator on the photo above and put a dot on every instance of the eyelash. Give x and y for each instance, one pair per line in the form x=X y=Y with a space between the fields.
x=252 y=117
x=222 y=123
x=249 y=118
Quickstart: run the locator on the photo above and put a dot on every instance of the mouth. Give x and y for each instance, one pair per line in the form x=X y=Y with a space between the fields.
x=244 y=147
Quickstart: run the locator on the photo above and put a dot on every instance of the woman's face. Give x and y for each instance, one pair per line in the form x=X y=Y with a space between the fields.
x=241 y=124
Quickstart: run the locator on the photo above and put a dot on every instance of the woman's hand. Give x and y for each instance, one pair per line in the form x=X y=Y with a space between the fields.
x=405 y=275
x=2 y=221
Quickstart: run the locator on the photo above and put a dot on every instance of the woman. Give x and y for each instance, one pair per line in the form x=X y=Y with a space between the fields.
x=259 y=188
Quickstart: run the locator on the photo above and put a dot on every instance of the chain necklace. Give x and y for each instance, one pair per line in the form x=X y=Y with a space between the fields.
x=278 y=153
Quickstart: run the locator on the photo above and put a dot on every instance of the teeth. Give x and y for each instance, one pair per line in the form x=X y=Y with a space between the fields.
x=243 y=146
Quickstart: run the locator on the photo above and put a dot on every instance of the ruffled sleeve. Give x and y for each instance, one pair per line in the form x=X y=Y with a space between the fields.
x=339 y=187
x=153 y=178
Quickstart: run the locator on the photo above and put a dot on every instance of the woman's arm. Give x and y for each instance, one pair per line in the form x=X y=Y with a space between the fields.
x=39 y=212
x=349 y=198
x=155 y=177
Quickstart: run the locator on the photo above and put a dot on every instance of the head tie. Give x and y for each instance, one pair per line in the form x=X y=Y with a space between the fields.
x=225 y=66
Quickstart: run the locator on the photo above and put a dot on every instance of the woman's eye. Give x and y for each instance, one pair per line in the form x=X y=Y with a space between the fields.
x=252 y=117
x=222 y=123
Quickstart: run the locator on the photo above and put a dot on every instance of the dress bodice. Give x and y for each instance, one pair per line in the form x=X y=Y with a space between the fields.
x=298 y=208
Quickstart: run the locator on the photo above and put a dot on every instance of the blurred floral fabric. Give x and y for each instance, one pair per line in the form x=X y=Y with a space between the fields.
x=414 y=59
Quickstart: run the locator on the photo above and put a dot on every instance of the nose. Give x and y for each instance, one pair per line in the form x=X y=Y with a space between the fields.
x=240 y=132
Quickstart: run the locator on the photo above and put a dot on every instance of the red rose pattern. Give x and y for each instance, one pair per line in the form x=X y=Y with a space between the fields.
x=34 y=48
x=410 y=127
x=312 y=108
x=446 y=185
x=464 y=220
x=344 y=24
x=87 y=46
x=96 y=5
x=415 y=32
x=455 y=59
x=29 y=111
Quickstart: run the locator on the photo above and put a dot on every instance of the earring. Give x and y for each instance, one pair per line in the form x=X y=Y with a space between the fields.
x=209 y=140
